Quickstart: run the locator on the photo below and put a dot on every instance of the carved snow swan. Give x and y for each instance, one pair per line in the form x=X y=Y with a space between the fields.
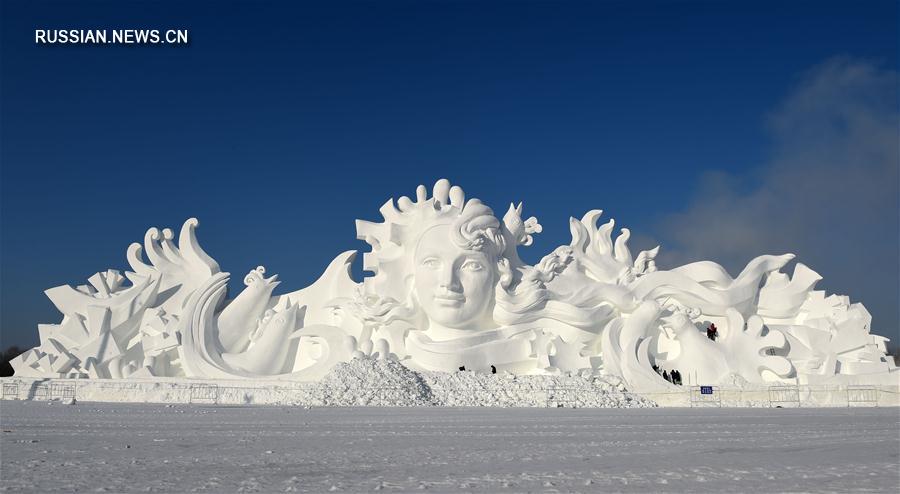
x=272 y=344
x=243 y=313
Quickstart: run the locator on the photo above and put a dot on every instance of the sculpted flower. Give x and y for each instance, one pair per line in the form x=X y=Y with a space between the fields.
x=531 y=226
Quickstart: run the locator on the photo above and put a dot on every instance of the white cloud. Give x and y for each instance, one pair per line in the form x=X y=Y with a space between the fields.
x=829 y=194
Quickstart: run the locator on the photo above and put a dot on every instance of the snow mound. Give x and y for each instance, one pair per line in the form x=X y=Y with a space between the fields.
x=368 y=382
x=371 y=382
x=469 y=389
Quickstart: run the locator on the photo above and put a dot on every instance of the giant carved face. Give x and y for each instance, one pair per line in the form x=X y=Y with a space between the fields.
x=454 y=286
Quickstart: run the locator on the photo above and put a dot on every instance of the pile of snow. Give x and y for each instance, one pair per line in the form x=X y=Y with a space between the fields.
x=371 y=382
x=475 y=389
x=368 y=382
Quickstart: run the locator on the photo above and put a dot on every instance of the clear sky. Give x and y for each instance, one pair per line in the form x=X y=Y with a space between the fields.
x=721 y=130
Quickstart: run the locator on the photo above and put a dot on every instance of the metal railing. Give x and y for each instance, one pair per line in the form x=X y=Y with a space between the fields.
x=705 y=396
x=204 y=393
x=514 y=395
x=62 y=391
x=10 y=391
x=862 y=396
x=784 y=396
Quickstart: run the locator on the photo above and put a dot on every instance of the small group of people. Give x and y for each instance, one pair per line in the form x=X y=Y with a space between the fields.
x=674 y=377
x=712 y=332
x=493 y=369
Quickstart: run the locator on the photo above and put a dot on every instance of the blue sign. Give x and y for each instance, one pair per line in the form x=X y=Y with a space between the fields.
x=706 y=390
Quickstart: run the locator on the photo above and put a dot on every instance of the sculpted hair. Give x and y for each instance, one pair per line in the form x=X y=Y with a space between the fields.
x=476 y=228
x=521 y=294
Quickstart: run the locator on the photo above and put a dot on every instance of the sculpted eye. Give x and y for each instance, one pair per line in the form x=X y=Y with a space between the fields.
x=431 y=263
x=472 y=266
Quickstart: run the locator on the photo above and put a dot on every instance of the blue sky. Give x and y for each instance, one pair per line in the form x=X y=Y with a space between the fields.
x=721 y=130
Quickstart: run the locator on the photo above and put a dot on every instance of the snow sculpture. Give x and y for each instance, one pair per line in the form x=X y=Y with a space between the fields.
x=449 y=289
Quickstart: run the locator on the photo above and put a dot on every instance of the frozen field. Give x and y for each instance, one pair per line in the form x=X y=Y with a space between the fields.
x=92 y=447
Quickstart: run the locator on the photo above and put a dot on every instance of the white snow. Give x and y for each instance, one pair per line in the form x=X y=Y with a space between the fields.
x=91 y=447
x=364 y=381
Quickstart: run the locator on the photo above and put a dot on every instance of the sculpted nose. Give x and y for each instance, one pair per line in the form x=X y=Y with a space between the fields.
x=448 y=279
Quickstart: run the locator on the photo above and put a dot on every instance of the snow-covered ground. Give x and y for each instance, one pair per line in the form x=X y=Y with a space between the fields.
x=91 y=447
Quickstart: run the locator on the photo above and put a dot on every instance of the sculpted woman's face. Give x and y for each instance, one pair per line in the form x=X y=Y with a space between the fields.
x=455 y=287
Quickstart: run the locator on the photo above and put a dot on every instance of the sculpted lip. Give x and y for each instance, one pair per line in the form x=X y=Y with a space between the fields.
x=449 y=299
